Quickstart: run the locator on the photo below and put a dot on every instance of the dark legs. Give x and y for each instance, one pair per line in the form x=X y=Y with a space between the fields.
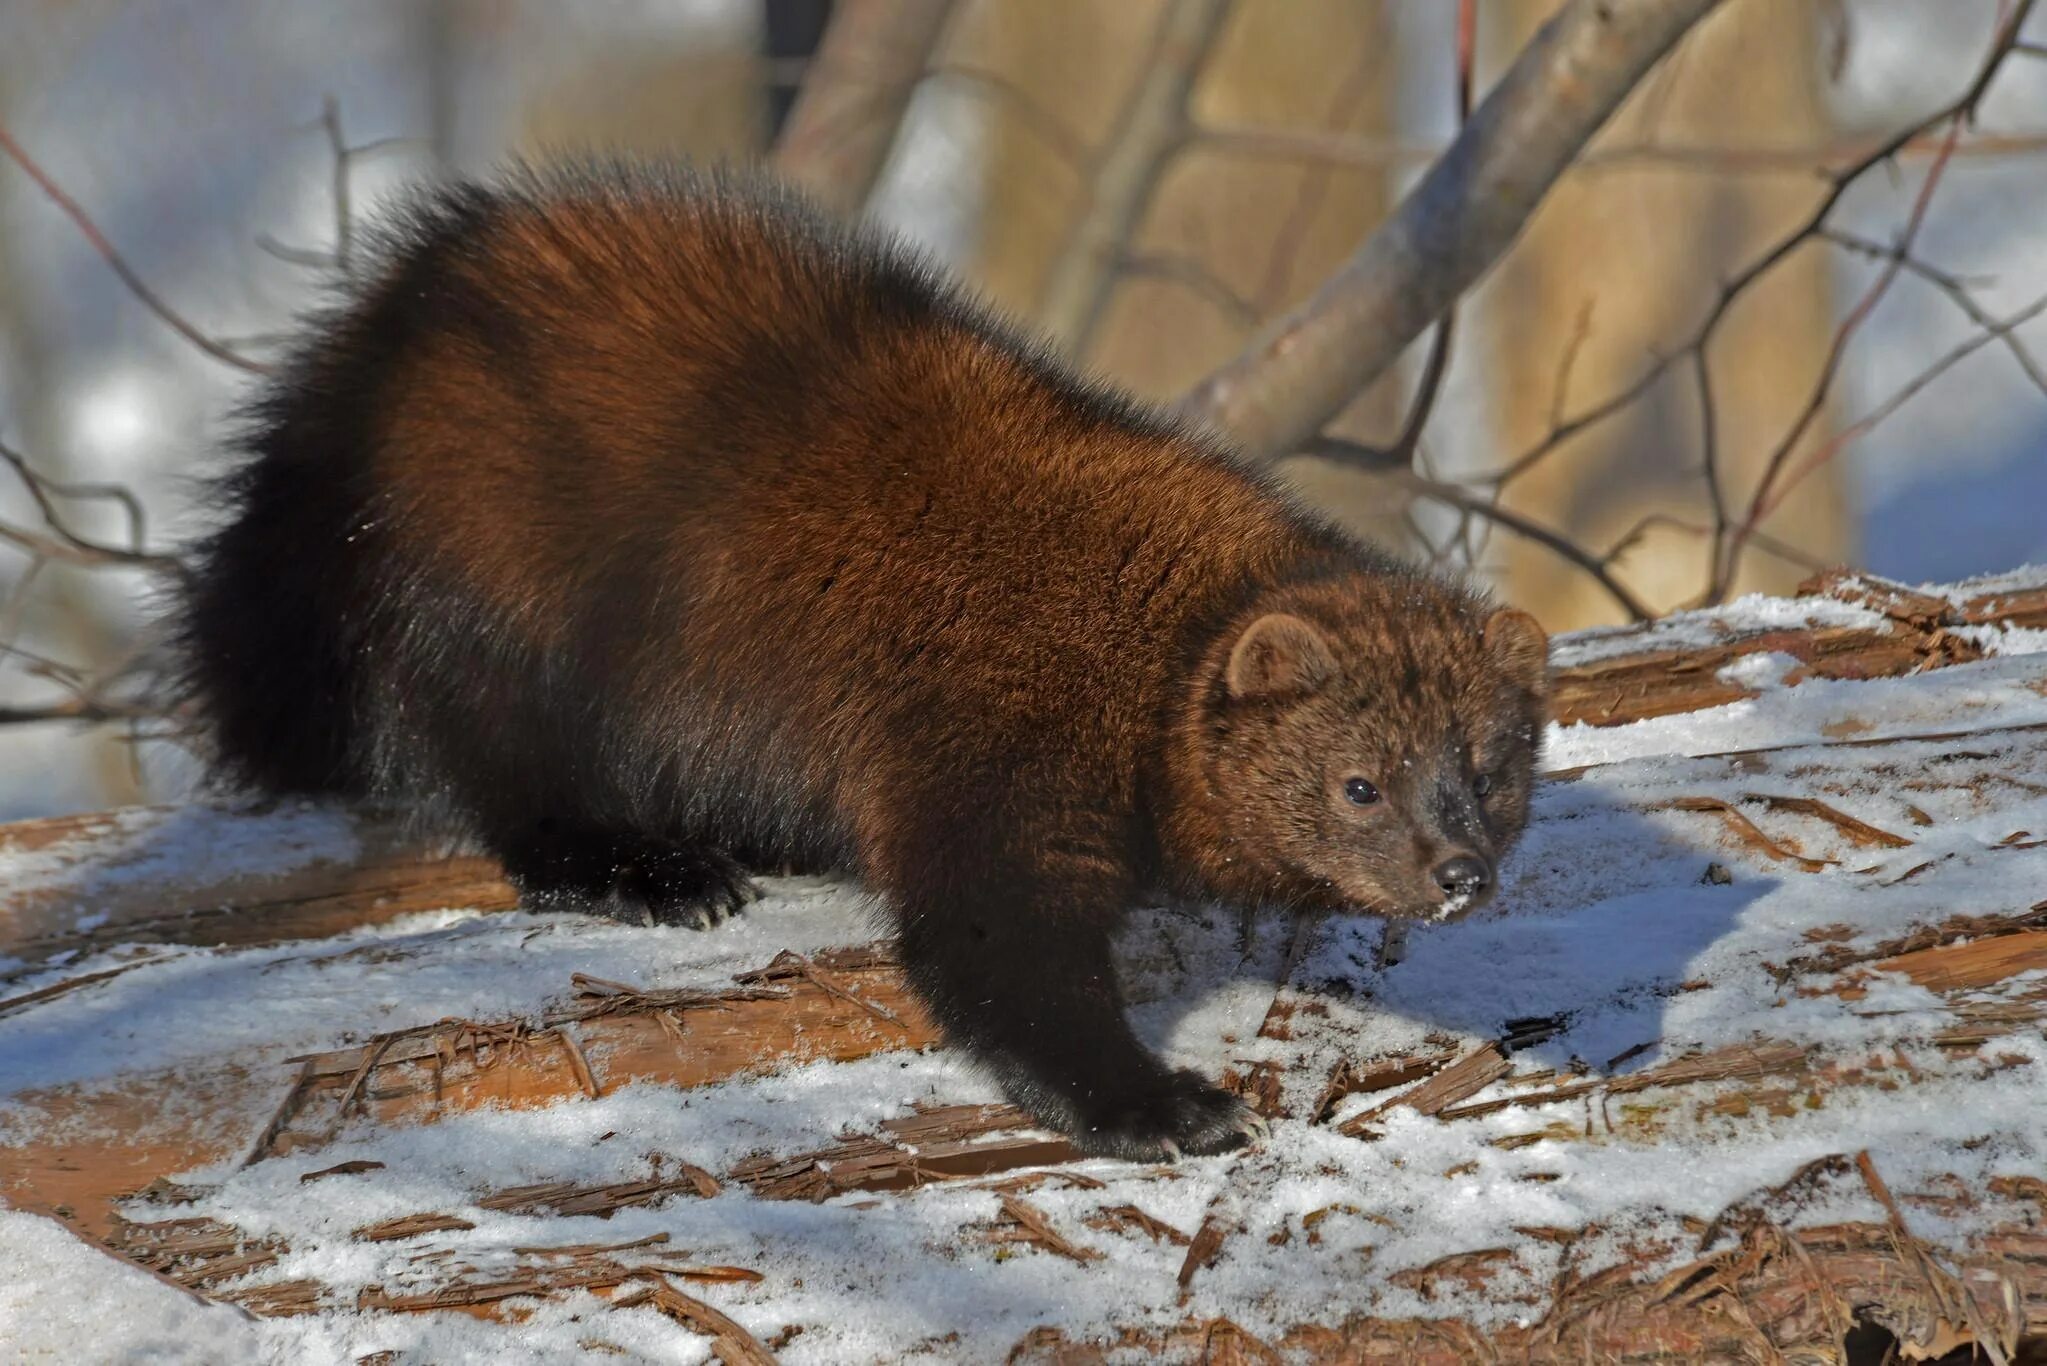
x=560 y=866
x=1030 y=990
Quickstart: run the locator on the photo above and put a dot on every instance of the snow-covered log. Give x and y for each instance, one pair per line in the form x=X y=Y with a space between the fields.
x=1747 y=1061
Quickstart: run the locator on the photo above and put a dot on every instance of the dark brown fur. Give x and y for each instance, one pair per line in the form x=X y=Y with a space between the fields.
x=655 y=530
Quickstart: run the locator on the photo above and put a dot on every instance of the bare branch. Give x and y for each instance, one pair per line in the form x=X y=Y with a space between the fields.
x=344 y=210
x=1830 y=369
x=64 y=544
x=1380 y=153
x=844 y=121
x=1465 y=213
x=1368 y=75
x=1194 y=274
x=1478 y=505
x=1995 y=330
x=1949 y=284
x=1769 y=493
x=150 y=299
x=1732 y=533
x=1313 y=146
x=341 y=258
x=88 y=699
x=78 y=709
x=1126 y=169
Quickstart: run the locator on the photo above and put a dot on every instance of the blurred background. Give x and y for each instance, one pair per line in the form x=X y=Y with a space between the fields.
x=230 y=150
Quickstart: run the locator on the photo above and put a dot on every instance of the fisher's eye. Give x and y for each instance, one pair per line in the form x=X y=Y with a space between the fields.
x=1360 y=792
x=1482 y=785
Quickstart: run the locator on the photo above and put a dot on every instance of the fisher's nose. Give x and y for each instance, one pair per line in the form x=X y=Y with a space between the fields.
x=1463 y=878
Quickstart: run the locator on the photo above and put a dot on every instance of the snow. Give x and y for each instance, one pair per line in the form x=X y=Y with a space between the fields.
x=1606 y=924
x=1690 y=630
x=57 y=1292
x=2004 y=691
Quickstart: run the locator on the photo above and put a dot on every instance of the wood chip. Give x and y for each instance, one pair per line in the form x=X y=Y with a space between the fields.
x=733 y=1345
x=1467 y=1076
x=410 y=1226
x=69 y=985
x=1039 y=1227
x=1121 y=1218
x=1858 y=832
x=1976 y=963
x=1204 y=1248
x=1356 y=1079
x=1740 y=1062
x=569 y=1198
x=588 y=1249
x=1746 y=830
x=715 y=1275
x=789 y=962
x=342 y=1169
x=281 y=1116
x=578 y=1063
x=353 y=1092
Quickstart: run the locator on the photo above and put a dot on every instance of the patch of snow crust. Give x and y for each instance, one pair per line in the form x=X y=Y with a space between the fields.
x=1691 y=630
x=61 y=1300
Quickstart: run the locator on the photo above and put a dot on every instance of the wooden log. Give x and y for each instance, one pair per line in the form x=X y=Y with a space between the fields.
x=1639 y=676
x=780 y=1017
x=214 y=874
x=111 y=1139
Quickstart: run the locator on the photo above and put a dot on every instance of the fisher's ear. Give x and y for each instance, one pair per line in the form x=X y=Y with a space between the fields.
x=1278 y=655
x=1519 y=648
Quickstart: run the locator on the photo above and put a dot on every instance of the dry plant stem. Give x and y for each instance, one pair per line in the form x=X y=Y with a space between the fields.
x=844 y=121
x=732 y=1344
x=149 y=297
x=1150 y=126
x=1465 y=213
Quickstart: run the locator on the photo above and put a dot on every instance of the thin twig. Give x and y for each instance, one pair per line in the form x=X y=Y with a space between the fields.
x=1766 y=496
x=1426 y=392
x=1068 y=145
x=115 y=261
x=1948 y=284
x=1371 y=458
x=74 y=548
